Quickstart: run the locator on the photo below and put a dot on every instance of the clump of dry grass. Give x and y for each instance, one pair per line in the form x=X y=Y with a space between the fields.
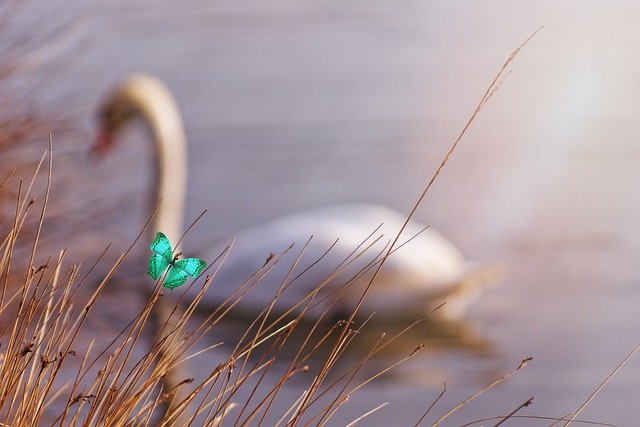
x=54 y=371
x=49 y=373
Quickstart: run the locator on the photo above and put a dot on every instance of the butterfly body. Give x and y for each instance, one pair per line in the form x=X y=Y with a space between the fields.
x=178 y=270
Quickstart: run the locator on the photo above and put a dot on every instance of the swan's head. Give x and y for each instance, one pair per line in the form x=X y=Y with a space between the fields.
x=114 y=113
x=140 y=96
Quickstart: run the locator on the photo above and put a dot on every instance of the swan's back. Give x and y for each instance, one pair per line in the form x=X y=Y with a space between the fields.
x=427 y=266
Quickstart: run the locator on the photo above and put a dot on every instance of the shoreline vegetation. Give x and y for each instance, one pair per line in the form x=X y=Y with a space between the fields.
x=53 y=373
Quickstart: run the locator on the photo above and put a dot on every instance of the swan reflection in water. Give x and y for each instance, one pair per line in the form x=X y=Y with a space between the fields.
x=393 y=337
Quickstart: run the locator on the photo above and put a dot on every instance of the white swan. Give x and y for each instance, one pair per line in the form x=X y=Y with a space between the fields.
x=426 y=271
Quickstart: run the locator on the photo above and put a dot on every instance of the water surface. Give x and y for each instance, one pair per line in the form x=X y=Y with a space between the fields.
x=293 y=105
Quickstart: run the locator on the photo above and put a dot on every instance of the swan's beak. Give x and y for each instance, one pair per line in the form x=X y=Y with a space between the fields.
x=102 y=144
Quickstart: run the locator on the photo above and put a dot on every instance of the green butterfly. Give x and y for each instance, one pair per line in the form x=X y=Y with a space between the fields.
x=179 y=270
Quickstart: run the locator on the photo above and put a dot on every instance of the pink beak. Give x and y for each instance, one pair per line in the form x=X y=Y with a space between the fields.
x=102 y=144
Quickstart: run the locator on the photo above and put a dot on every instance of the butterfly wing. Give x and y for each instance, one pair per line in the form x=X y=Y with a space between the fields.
x=161 y=245
x=162 y=256
x=192 y=266
x=157 y=265
x=175 y=278
x=181 y=270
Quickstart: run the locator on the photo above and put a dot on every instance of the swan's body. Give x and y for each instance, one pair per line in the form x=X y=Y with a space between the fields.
x=422 y=273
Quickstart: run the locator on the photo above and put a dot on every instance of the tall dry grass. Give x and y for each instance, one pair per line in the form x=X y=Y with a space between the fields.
x=53 y=371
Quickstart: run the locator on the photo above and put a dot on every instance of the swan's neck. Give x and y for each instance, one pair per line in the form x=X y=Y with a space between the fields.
x=170 y=172
x=170 y=178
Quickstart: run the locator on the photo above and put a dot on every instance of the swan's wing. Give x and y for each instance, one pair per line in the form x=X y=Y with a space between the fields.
x=181 y=270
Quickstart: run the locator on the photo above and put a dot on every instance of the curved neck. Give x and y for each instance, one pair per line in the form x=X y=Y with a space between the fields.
x=145 y=97
x=170 y=175
x=153 y=101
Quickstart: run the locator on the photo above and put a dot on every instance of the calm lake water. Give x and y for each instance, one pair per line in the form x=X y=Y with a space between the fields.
x=291 y=105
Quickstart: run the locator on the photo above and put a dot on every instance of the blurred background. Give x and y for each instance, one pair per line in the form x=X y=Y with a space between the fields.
x=292 y=105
